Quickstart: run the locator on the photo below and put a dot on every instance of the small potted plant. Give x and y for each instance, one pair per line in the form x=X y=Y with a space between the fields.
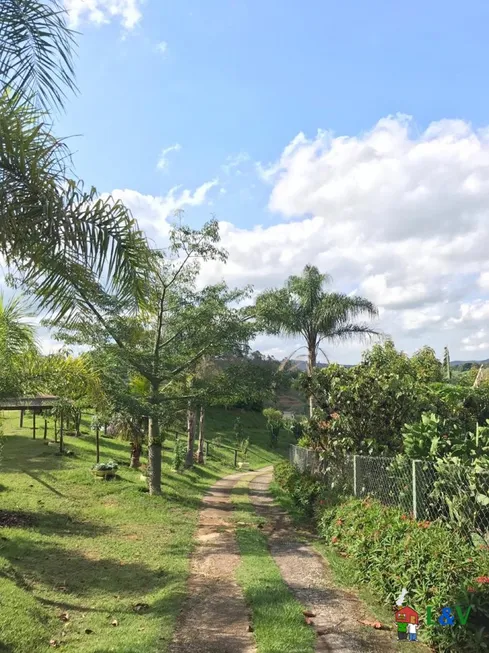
x=244 y=445
x=105 y=470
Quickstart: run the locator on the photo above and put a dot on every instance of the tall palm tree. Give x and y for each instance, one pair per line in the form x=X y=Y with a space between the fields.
x=304 y=308
x=52 y=230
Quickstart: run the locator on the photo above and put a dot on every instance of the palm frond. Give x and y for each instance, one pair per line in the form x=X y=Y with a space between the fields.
x=350 y=331
x=53 y=231
x=17 y=335
x=36 y=51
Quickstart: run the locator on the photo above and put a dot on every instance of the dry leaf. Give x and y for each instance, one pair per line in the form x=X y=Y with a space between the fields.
x=140 y=607
x=64 y=616
x=53 y=643
x=373 y=624
x=250 y=628
x=308 y=613
x=115 y=622
x=309 y=621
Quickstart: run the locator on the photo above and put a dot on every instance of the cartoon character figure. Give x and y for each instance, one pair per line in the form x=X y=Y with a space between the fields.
x=412 y=628
x=407 y=623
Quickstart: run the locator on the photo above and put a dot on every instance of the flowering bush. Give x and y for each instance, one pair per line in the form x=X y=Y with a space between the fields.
x=391 y=550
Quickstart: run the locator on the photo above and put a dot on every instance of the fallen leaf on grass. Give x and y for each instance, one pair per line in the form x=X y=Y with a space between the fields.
x=140 y=607
x=64 y=616
x=115 y=622
x=308 y=613
x=53 y=643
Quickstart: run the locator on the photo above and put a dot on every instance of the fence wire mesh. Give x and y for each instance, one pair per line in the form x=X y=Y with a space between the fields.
x=430 y=491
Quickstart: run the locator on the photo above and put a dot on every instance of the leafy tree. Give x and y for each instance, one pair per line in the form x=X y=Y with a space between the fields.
x=162 y=340
x=426 y=365
x=304 y=308
x=76 y=381
x=371 y=401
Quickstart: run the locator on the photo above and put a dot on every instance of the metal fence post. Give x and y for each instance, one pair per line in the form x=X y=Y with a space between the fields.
x=415 y=490
x=355 y=476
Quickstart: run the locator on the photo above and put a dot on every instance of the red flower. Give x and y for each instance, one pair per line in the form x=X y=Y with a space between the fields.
x=334 y=539
x=424 y=524
x=404 y=517
x=482 y=579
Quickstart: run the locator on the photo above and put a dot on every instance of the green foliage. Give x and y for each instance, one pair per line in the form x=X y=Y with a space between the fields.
x=179 y=455
x=373 y=401
x=390 y=551
x=275 y=422
x=306 y=492
x=110 y=466
x=244 y=445
x=427 y=367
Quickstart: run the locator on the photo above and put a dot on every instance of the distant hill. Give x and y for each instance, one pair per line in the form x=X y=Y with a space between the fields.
x=472 y=362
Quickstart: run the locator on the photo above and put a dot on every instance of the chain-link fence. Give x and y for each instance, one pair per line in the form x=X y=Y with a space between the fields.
x=427 y=490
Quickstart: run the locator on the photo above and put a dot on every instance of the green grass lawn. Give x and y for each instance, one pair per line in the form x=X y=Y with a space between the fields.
x=277 y=617
x=94 y=565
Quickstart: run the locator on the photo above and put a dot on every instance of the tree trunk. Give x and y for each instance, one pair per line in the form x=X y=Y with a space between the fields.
x=189 y=459
x=201 y=436
x=154 y=457
x=135 y=454
x=311 y=364
x=154 y=447
x=61 y=426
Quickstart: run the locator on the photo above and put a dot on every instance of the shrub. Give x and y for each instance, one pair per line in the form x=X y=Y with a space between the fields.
x=179 y=454
x=306 y=492
x=390 y=550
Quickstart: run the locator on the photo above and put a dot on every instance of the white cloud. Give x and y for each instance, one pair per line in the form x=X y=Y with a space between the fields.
x=101 y=12
x=154 y=213
x=394 y=214
x=162 y=47
x=163 y=160
x=235 y=162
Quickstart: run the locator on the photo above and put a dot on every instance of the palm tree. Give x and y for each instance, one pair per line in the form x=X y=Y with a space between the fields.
x=17 y=335
x=52 y=230
x=18 y=348
x=303 y=307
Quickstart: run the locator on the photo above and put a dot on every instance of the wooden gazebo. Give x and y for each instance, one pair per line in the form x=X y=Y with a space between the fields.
x=36 y=404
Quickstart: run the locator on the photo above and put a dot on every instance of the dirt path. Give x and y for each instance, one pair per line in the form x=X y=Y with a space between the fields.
x=337 y=612
x=215 y=617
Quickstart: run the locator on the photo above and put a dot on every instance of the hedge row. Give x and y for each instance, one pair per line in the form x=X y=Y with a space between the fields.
x=390 y=550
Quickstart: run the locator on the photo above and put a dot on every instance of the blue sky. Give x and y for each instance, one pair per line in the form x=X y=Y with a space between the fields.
x=231 y=83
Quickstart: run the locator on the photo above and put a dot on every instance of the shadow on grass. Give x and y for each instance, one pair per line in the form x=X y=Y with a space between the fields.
x=23 y=454
x=77 y=574
x=49 y=523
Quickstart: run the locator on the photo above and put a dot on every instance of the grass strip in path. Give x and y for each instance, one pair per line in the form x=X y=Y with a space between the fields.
x=277 y=618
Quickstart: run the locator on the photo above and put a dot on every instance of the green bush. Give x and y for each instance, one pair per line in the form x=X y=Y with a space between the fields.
x=391 y=551
x=306 y=492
